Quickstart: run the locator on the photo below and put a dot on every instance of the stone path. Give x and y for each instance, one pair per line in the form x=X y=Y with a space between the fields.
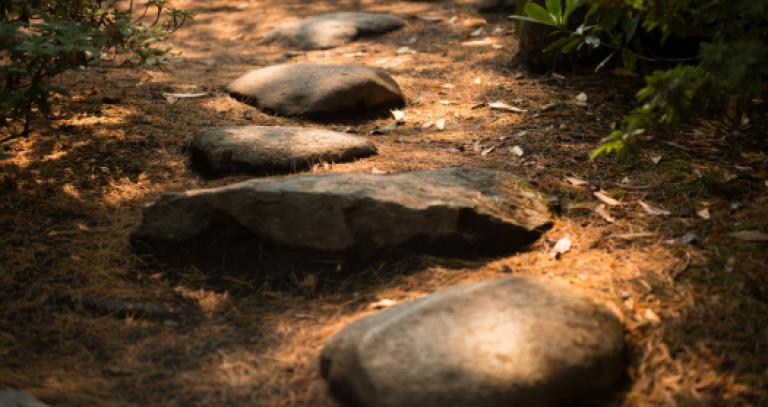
x=459 y=211
x=317 y=91
x=517 y=341
x=264 y=150
x=332 y=29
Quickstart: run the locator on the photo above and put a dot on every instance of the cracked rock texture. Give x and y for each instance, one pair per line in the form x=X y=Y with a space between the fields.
x=332 y=29
x=264 y=150
x=519 y=341
x=460 y=212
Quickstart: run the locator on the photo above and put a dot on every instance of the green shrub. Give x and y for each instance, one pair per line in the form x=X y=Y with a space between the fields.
x=729 y=68
x=40 y=39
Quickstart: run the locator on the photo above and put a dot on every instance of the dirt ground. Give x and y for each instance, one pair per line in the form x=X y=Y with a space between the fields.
x=696 y=314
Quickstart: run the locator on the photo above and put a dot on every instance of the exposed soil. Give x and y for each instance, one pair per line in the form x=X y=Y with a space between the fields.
x=84 y=322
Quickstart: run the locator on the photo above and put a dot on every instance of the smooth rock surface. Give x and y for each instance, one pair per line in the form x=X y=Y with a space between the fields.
x=332 y=29
x=519 y=341
x=317 y=91
x=457 y=211
x=263 y=150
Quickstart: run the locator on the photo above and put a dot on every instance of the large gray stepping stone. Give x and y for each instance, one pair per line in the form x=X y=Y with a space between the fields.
x=262 y=150
x=332 y=29
x=461 y=212
x=318 y=91
x=519 y=341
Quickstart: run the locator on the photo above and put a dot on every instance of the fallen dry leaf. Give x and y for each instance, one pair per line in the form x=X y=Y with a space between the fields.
x=479 y=43
x=385 y=303
x=730 y=264
x=577 y=182
x=654 y=210
x=605 y=213
x=562 y=246
x=703 y=213
x=440 y=124
x=506 y=107
x=603 y=197
x=651 y=316
x=487 y=151
x=399 y=115
x=185 y=95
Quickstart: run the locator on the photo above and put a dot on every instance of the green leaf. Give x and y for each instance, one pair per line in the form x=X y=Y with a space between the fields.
x=629 y=59
x=570 y=46
x=557 y=44
x=630 y=28
x=570 y=5
x=522 y=18
x=539 y=14
x=554 y=7
x=592 y=10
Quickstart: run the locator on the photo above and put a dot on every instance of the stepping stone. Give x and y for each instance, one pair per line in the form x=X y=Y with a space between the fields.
x=520 y=341
x=318 y=91
x=460 y=212
x=263 y=150
x=332 y=29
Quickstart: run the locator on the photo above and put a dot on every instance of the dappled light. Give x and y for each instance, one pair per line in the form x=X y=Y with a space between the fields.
x=85 y=320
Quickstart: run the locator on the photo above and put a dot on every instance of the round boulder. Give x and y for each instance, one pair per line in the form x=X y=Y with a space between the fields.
x=519 y=341
x=332 y=29
x=318 y=92
x=264 y=150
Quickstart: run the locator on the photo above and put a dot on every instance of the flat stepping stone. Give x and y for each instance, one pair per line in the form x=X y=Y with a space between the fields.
x=460 y=212
x=264 y=150
x=520 y=341
x=332 y=29
x=318 y=91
